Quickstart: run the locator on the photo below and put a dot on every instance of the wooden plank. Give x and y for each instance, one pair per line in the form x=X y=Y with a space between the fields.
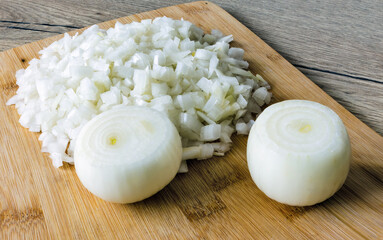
x=331 y=35
x=216 y=199
x=362 y=98
x=343 y=39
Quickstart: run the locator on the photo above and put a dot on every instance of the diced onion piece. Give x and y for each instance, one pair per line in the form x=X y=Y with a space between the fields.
x=207 y=151
x=191 y=152
x=205 y=85
x=191 y=122
x=200 y=152
x=221 y=147
x=242 y=128
x=260 y=95
x=210 y=132
x=203 y=54
x=236 y=53
x=183 y=168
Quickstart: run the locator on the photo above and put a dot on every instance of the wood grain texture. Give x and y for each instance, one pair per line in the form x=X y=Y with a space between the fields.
x=326 y=40
x=216 y=199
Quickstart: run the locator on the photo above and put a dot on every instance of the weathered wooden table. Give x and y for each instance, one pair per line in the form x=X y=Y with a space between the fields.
x=338 y=45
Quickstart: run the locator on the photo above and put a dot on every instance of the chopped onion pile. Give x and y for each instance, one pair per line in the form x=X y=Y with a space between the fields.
x=165 y=64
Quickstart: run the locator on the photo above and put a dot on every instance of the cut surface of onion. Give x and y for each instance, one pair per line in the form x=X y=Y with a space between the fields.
x=298 y=152
x=127 y=154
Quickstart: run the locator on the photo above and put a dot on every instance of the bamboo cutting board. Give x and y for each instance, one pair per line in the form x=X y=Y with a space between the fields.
x=215 y=200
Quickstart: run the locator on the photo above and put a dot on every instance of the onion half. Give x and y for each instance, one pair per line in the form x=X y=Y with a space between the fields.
x=298 y=152
x=127 y=154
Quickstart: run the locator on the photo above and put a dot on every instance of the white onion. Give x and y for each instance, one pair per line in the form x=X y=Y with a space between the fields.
x=298 y=152
x=165 y=64
x=127 y=154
